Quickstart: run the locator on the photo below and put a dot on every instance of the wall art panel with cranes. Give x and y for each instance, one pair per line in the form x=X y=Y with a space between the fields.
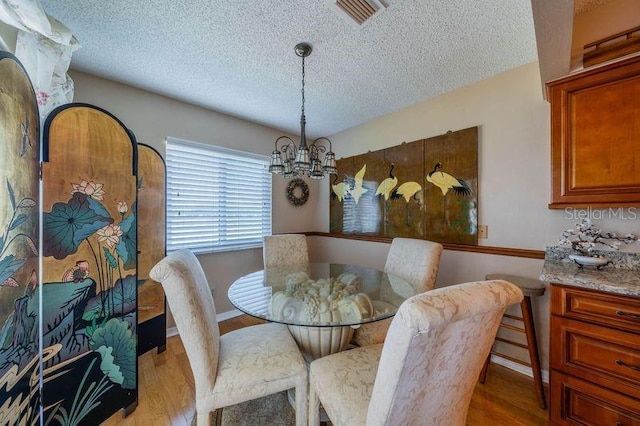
x=424 y=189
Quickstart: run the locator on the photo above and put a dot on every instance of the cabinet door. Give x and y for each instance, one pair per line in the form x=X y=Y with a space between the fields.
x=578 y=402
x=595 y=131
x=601 y=355
x=19 y=224
x=89 y=266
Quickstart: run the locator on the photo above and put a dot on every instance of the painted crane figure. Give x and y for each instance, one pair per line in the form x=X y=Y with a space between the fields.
x=357 y=190
x=387 y=185
x=408 y=190
x=445 y=182
x=338 y=189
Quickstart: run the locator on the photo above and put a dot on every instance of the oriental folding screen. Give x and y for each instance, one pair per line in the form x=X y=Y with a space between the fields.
x=68 y=294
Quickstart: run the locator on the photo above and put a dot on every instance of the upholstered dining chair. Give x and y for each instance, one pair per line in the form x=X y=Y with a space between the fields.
x=285 y=250
x=425 y=371
x=415 y=261
x=245 y=364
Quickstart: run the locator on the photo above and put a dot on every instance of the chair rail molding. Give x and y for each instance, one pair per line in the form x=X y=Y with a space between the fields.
x=500 y=251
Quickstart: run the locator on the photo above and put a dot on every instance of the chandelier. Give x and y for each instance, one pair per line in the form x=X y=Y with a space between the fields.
x=304 y=160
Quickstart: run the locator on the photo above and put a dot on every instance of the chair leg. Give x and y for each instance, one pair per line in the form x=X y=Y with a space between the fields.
x=485 y=368
x=302 y=406
x=203 y=419
x=530 y=331
x=314 y=407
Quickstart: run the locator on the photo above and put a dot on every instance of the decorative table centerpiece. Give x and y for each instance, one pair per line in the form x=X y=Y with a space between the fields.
x=586 y=238
x=325 y=302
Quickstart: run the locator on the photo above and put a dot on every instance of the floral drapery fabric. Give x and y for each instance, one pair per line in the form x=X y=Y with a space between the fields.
x=44 y=46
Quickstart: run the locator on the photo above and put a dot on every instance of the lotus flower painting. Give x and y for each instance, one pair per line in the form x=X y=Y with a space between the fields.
x=89 y=267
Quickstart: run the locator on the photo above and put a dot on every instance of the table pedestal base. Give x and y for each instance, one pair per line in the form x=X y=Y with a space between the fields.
x=316 y=342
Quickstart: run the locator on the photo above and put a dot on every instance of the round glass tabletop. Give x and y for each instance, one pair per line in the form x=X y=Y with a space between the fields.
x=320 y=294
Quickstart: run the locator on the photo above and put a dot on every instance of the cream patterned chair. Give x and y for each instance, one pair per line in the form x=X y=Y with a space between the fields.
x=417 y=262
x=239 y=366
x=285 y=250
x=425 y=372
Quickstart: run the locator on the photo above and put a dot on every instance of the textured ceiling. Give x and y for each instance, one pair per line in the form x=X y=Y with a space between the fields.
x=237 y=56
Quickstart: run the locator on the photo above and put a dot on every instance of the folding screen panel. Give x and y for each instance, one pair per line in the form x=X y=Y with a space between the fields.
x=152 y=318
x=19 y=225
x=89 y=266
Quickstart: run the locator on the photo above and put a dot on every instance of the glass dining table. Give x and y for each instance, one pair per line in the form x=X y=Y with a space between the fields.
x=321 y=303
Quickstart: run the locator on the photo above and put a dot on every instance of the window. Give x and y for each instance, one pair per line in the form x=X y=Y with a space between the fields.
x=218 y=199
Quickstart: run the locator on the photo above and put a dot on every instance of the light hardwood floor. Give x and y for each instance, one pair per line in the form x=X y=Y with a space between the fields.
x=166 y=392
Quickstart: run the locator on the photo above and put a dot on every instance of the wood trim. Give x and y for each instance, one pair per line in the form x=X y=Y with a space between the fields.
x=615 y=50
x=500 y=251
x=612 y=37
x=592 y=71
x=594 y=205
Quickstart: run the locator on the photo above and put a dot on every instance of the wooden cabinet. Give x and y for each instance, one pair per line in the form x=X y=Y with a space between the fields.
x=595 y=358
x=595 y=136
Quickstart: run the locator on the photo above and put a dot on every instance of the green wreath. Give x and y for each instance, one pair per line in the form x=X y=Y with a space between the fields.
x=297 y=198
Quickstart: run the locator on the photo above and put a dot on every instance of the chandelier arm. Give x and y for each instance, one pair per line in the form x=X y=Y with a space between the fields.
x=290 y=148
x=284 y=137
x=326 y=139
x=314 y=148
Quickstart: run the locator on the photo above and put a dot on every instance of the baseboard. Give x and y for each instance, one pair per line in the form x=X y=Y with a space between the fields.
x=173 y=331
x=518 y=367
x=229 y=314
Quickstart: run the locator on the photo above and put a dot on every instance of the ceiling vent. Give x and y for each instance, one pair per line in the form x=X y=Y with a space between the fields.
x=359 y=10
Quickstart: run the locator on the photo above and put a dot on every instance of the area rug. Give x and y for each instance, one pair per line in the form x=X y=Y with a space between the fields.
x=270 y=410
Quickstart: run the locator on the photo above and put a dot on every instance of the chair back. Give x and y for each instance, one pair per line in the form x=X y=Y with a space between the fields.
x=416 y=261
x=434 y=351
x=191 y=303
x=285 y=250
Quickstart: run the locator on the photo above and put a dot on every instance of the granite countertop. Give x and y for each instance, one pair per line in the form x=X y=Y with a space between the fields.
x=612 y=280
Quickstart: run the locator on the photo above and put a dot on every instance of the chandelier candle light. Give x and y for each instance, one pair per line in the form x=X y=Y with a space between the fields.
x=304 y=160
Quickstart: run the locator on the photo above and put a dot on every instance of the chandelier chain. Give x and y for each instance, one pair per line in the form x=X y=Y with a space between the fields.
x=303 y=85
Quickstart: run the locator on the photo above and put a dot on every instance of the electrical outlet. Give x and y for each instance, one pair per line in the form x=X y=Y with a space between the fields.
x=483 y=231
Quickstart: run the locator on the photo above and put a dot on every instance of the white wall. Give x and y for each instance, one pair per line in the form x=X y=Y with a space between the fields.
x=514 y=179
x=153 y=117
x=514 y=154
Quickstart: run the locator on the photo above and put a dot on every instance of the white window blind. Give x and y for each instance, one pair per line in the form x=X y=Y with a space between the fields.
x=218 y=199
